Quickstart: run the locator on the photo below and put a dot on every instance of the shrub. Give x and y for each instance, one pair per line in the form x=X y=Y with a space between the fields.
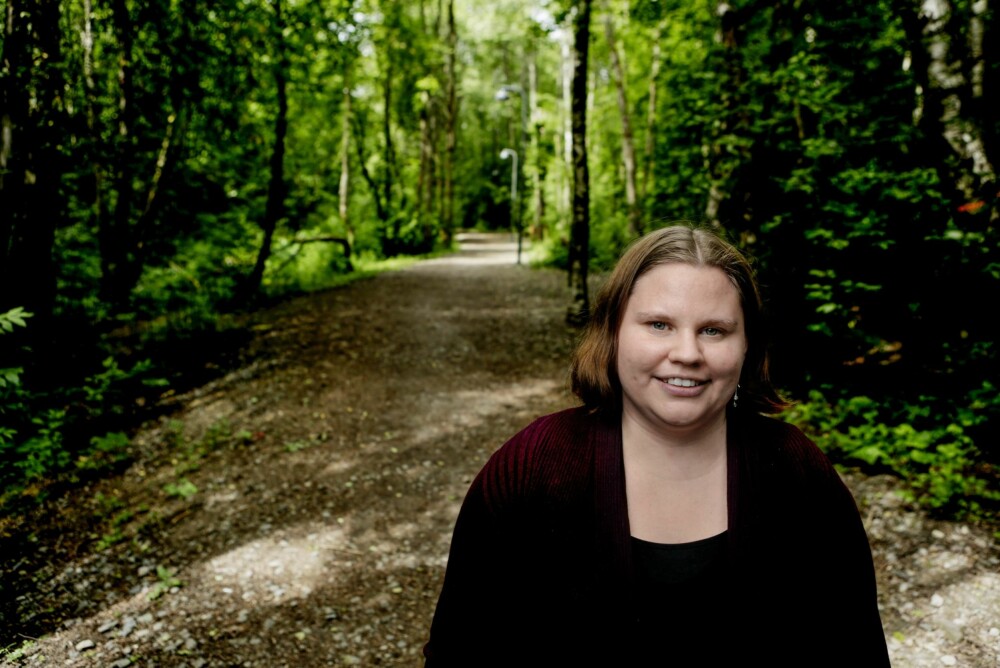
x=929 y=449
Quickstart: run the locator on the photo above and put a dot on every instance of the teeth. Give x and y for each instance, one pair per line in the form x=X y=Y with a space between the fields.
x=682 y=382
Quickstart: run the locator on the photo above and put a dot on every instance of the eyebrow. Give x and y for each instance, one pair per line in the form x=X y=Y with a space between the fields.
x=712 y=322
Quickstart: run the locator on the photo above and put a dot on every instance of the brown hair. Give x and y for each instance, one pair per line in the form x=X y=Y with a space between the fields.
x=594 y=375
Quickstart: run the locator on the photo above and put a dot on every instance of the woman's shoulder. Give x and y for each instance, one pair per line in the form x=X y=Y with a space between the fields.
x=780 y=461
x=564 y=433
x=554 y=450
x=783 y=444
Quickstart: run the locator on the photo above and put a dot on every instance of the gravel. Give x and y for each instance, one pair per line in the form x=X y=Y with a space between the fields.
x=324 y=477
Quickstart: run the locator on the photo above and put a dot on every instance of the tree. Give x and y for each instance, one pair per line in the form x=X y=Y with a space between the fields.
x=727 y=151
x=451 y=124
x=31 y=163
x=628 y=147
x=276 y=191
x=648 y=181
x=951 y=79
x=579 y=252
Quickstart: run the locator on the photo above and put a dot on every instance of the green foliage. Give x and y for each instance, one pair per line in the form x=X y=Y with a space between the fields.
x=49 y=438
x=17 y=653
x=937 y=459
x=43 y=453
x=166 y=580
x=295 y=446
x=105 y=451
x=116 y=529
x=15 y=317
x=11 y=395
x=187 y=455
x=809 y=131
x=182 y=488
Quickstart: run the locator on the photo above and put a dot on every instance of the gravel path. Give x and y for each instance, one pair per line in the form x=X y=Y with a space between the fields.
x=298 y=511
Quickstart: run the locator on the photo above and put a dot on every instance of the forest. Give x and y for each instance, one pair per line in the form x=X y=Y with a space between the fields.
x=169 y=165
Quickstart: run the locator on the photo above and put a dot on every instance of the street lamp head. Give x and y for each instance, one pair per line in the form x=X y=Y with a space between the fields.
x=507 y=153
x=503 y=93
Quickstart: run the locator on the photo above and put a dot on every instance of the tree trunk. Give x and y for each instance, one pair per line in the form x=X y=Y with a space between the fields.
x=31 y=123
x=722 y=161
x=451 y=121
x=537 y=230
x=426 y=150
x=93 y=111
x=579 y=255
x=358 y=127
x=566 y=72
x=114 y=236
x=345 y=158
x=274 y=210
x=628 y=146
x=949 y=97
x=122 y=233
x=391 y=248
x=15 y=102
x=650 y=149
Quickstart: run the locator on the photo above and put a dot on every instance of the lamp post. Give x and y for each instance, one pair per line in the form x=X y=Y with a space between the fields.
x=502 y=95
x=515 y=210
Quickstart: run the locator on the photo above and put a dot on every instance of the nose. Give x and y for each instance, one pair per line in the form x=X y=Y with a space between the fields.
x=685 y=348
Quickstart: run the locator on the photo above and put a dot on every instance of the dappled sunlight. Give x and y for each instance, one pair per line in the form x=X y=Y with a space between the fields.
x=947 y=615
x=339 y=465
x=477 y=407
x=273 y=569
x=479 y=250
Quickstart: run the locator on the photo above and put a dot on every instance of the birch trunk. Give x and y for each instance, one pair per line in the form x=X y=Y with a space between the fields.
x=948 y=89
x=628 y=146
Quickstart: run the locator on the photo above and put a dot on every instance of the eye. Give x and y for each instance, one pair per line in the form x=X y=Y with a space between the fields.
x=658 y=326
x=713 y=331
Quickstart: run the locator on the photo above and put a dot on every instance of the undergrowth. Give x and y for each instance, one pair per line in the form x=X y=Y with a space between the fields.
x=930 y=446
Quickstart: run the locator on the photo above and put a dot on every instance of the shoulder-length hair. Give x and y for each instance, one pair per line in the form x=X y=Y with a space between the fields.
x=594 y=376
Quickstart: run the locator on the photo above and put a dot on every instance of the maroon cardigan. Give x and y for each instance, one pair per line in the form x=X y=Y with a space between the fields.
x=540 y=569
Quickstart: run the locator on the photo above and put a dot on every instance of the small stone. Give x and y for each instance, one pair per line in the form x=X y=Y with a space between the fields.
x=122 y=663
x=84 y=645
x=949 y=660
x=952 y=630
x=107 y=626
x=128 y=625
x=937 y=601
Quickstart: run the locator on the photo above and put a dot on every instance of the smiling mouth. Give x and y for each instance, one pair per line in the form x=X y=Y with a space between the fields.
x=683 y=382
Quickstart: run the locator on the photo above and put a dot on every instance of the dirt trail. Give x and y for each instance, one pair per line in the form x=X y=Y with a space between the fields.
x=297 y=512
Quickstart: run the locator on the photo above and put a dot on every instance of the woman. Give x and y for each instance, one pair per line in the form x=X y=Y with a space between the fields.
x=667 y=520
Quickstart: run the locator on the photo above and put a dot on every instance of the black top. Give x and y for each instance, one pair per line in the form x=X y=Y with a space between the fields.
x=680 y=594
x=676 y=564
x=541 y=570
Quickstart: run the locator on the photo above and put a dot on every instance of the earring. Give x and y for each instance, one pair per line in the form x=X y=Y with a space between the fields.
x=736 y=395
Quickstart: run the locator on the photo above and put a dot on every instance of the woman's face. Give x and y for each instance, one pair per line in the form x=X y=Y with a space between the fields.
x=681 y=346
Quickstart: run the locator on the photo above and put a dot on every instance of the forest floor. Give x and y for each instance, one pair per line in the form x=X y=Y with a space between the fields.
x=297 y=511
